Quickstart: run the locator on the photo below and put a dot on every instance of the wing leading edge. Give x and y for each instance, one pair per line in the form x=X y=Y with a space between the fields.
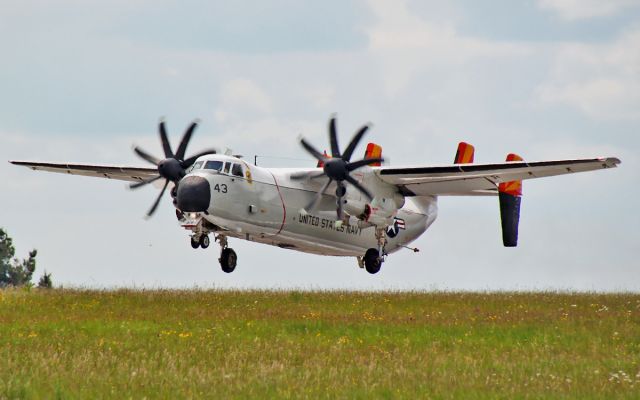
x=481 y=179
x=130 y=174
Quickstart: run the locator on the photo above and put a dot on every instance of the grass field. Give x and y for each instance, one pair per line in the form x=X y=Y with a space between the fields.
x=259 y=344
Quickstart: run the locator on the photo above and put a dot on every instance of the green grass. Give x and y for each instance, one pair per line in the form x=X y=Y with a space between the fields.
x=260 y=344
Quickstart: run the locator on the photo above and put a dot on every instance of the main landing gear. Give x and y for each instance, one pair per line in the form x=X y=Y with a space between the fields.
x=228 y=258
x=373 y=258
x=372 y=261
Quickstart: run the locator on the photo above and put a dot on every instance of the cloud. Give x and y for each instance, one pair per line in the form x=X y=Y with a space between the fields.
x=405 y=44
x=245 y=94
x=584 y=9
x=600 y=80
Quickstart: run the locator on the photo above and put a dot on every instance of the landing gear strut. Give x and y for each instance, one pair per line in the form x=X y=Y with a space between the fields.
x=228 y=258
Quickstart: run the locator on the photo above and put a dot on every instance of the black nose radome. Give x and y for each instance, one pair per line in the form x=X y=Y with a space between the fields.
x=194 y=194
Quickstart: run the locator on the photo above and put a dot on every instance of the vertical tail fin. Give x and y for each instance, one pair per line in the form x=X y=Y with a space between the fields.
x=465 y=153
x=510 y=195
x=373 y=151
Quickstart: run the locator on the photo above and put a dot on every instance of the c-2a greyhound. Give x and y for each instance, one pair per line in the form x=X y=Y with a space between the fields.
x=340 y=208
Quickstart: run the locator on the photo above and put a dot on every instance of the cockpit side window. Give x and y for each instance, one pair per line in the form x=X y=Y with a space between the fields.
x=196 y=166
x=214 y=165
x=237 y=170
x=227 y=166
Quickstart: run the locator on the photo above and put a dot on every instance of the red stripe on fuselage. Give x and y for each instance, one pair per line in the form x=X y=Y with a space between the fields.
x=284 y=209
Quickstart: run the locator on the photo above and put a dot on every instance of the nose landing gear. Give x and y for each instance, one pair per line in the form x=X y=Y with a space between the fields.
x=202 y=241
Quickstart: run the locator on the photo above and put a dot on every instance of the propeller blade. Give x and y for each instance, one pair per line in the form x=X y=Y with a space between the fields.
x=165 y=141
x=140 y=184
x=182 y=148
x=339 y=211
x=333 y=138
x=155 y=204
x=314 y=203
x=358 y=186
x=146 y=156
x=354 y=142
x=312 y=150
x=361 y=163
x=191 y=160
x=300 y=176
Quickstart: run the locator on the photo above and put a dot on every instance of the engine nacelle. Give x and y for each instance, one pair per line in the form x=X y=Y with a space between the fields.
x=379 y=212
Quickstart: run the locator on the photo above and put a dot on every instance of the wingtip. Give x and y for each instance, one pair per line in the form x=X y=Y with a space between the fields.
x=611 y=161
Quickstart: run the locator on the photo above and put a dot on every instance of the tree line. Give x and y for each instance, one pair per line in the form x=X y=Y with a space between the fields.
x=16 y=272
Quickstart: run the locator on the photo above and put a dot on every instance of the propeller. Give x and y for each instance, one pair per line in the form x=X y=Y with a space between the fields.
x=172 y=167
x=338 y=167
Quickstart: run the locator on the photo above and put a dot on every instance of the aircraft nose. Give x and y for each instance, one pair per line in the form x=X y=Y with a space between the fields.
x=194 y=194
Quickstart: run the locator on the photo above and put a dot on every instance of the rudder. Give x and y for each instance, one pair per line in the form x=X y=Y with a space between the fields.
x=510 y=195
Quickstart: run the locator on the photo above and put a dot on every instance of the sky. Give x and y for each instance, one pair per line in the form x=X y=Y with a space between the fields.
x=82 y=81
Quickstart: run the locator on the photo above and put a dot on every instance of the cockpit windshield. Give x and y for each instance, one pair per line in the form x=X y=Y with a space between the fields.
x=195 y=166
x=214 y=165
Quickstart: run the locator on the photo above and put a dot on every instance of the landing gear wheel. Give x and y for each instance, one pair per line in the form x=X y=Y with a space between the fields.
x=228 y=260
x=372 y=261
x=194 y=243
x=204 y=241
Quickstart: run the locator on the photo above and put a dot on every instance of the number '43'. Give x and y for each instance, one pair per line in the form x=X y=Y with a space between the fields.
x=220 y=188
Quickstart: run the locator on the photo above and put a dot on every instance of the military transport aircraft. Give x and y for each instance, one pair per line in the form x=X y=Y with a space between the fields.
x=340 y=208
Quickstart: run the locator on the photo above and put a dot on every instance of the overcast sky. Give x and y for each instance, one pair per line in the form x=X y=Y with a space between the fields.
x=82 y=81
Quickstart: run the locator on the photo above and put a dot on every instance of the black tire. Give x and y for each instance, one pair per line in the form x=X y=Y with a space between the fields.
x=194 y=243
x=228 y=260
x=372 y=261
x=204 y=241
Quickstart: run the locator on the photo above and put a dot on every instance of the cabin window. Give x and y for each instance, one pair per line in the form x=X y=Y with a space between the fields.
x=227 y=166
x=214 y=165
x=237 y=170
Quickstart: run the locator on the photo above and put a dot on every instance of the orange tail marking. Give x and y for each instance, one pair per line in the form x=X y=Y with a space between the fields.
x=373 y=151
x=513 y=188
x=465 y=153
x=320 y=163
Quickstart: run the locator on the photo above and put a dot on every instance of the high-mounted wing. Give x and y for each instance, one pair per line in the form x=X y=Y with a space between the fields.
x=131 y=174
x=481 y=179
x=172 y=168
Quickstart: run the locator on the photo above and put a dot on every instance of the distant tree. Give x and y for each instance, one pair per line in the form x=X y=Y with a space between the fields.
x=14 y=272
x=45 y=281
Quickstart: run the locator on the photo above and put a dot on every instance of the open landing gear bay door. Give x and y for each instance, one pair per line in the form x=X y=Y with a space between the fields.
x=481 y=179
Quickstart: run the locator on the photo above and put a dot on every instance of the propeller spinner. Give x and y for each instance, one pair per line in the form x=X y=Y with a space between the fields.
x=338 y=167
x=172 y=167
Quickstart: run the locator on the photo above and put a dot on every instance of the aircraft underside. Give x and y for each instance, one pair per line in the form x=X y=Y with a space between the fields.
x=319 y=234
